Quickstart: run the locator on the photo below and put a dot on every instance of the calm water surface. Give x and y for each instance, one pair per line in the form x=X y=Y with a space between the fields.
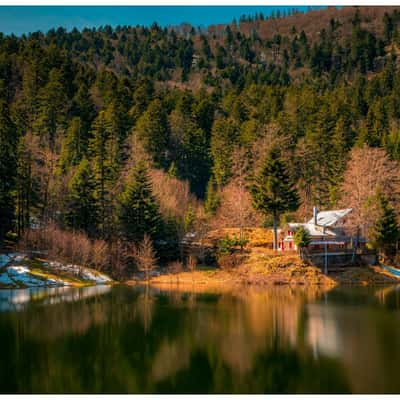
x=142 y=340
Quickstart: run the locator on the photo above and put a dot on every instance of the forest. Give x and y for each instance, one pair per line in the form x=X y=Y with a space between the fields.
x=115 y=137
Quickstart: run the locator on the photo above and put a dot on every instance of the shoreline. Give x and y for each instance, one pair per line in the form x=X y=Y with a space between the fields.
x=298 y=276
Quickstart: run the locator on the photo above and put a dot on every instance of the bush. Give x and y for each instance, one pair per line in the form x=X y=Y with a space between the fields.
x=78 y=248
x=175 y=267
x=229 y=245
x=230 y=261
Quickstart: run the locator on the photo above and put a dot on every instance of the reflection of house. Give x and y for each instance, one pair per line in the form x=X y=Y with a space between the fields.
x=326 y=230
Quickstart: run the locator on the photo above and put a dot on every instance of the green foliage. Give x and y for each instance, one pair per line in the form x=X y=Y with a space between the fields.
x=224 y=136
x=52 y=106
x=152 y=129
x=108 y=94
x=82 y=206
x=302 y=238
x=386 y=231
x=103 y=150
x=8 y=169
x=73 y=145
x=189 y=219
x=138 y=211
x=273 y=192
x=227 y=245
x=212 y=201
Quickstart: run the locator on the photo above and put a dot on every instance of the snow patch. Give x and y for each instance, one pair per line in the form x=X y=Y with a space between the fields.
x=81 y=272
x=15 y=275
x=5 y=279
x=4 y=260
x=21 y=274
x=10 y=257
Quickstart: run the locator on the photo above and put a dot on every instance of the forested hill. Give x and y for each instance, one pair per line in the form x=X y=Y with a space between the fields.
x=80 y=109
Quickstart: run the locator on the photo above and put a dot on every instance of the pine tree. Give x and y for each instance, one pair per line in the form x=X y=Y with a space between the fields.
x=73 y=146
x=272 y=191
x=189 y=148
x=8 y=168
x=82 y=211
x=103 y=169
x=26 y=184
x=52 y=106
x=386 y=231
x=138 y=210
x=225 y=134
x=152 y=129
x=212 y=201
x=302 y=239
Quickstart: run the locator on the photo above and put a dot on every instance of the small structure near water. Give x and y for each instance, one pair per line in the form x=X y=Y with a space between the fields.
x=331 y=243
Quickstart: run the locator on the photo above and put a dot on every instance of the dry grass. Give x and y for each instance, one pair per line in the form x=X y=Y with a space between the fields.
x=365 y=276
x=262 y=266
x=257 y=237
x=270 y=270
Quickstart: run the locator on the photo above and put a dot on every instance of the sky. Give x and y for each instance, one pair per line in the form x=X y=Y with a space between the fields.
x=25 y=19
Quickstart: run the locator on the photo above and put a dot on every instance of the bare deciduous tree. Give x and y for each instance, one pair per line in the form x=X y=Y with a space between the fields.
x=236 y=208
x=145 y=256
x=368 y=170
x=191 y=264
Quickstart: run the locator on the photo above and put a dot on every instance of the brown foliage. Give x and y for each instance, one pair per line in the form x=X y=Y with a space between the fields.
x=312 y=22
x=236 y=208
x=77 y=248
x=173 y=194
x=191 y=262
x=229 y=261
x=145 y=256
x=175 y=267
x=368 y=170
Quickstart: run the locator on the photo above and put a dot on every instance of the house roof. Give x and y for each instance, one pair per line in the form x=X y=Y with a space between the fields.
x=329 y=218
x=312 y=229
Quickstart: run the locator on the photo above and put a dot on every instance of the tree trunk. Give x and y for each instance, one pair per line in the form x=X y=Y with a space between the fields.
x=275 y=232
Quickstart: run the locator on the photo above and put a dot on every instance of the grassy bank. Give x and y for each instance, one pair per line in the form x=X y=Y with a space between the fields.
x=263 y=266
x=276 y=271
x=20 y=271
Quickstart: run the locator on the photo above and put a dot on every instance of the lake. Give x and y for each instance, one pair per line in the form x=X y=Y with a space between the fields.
x=247 y=340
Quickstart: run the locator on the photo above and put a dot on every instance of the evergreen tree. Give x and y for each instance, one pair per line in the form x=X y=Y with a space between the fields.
x=225 y=134
x=386 y=231
x=189 y=148
x=138 y=210
x=27 y=185
x=82 y=210
x=52 y=106
x=152 y=129
x=272 y=191
x=302 y=239
x=103 y=168
x=73 y=146
x=212 y=201
x=8 y=169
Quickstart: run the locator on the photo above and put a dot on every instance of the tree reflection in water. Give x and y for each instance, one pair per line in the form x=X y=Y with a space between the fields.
x=149 y=340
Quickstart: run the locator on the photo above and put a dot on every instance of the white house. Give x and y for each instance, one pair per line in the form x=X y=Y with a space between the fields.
x=326 y=228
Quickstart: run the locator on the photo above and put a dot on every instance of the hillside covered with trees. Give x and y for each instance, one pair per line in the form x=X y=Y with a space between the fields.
x=111 y=135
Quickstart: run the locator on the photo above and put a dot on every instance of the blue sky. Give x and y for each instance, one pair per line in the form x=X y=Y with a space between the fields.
x=25 y=19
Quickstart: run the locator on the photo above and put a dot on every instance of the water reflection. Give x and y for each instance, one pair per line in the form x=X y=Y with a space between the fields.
x=248 y=340
x=18 y=299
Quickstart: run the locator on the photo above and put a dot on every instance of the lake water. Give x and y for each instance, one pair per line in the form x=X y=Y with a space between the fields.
x=141 y=340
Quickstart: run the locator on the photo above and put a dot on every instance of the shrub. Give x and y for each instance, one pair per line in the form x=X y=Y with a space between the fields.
x=145 y=256
x=77 y=248
x=229 y=261
x=228 y=245
x=175 y=267
x=191 y=263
